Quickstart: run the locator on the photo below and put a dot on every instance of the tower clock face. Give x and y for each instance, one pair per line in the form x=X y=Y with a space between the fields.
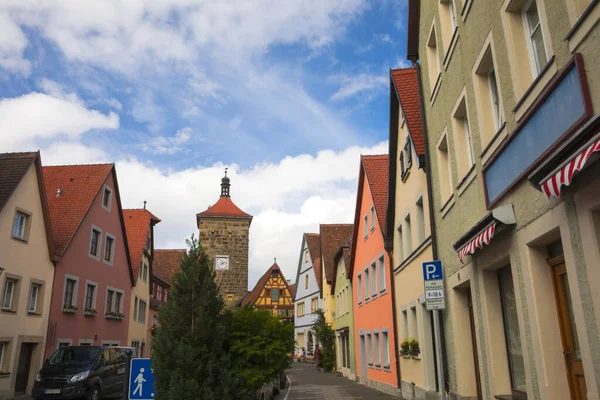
x=222 y=263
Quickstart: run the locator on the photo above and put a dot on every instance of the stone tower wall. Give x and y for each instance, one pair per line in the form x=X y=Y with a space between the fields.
x=228 y=237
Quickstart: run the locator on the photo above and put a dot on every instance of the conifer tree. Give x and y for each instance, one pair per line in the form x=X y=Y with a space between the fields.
x=188 y=354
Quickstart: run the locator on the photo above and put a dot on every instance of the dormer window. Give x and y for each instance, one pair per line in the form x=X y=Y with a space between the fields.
x=107 y=198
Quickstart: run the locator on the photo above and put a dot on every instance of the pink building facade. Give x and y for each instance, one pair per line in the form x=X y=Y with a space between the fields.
x=93 y=277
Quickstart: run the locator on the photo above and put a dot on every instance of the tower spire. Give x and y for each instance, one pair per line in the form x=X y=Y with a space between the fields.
x=225 y=185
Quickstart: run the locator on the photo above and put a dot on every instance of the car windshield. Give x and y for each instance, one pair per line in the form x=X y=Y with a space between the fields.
x=73 y=356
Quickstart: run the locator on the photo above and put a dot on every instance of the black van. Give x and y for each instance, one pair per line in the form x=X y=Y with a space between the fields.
x=89 y=372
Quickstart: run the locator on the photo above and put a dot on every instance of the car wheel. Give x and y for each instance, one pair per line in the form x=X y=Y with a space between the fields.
x=94 y=393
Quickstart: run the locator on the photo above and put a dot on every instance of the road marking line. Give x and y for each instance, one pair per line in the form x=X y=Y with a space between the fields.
x=289 y=388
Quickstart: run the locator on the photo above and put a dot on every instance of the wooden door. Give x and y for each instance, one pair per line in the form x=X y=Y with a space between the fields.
x=23 y=367
x=568 y=330
x=474 y=343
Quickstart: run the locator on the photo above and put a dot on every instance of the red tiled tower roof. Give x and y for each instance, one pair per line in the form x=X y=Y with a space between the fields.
x=166 y=263
x=79 y=185
x=406 y=85
x=332 y=236
x=252 y=296
x=137 y=225
x=224 y=207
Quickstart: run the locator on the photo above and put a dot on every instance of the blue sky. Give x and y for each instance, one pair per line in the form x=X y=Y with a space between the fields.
x=286 y=94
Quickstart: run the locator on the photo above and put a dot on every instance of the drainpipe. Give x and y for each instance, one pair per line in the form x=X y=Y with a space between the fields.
x=431 y=212
x=394 y=318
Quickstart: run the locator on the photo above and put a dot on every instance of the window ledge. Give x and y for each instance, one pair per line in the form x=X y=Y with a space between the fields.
x=517 y=109
x=384 y=291
x=377 y=366
x=404 y=177
x=4 y=374
x=493 y=144
x=387 y=368
x=447 y=205
x=436 y=88
x=451 y=47
x=69 y=310
x=9 y=311
x=580 y=22
x=413 y=255
x=466 y=181
x=466 y=7
x=34 y=314
x=20 y=240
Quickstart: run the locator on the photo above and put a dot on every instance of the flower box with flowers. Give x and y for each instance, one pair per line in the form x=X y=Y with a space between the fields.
x=69 y=309
x=90 y=312
x=114 y=315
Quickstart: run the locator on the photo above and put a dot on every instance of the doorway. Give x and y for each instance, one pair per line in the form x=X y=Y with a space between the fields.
x=474 y=344
x=24 y=367
x=568 y=329
x=363 y=356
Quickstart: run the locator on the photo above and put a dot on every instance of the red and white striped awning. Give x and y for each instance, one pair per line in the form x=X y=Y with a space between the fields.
x=478 y=241
x=553 y=185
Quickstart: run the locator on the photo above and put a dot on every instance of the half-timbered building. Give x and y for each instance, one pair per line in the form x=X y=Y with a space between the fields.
x=272 y=292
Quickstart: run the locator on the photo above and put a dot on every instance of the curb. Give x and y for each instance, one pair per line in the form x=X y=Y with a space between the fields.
x=289 y=388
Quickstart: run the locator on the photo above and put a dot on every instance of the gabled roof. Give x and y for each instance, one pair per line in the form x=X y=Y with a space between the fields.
x=374 y=172
x=255 y=292
x=313 y=241
x=13 y=167
x=79 y=185
x=224 y=207
x=293 y=290
x=166 y=263
x=344 y=250
x=332 y=236
x=137 y=224
x=406 y=86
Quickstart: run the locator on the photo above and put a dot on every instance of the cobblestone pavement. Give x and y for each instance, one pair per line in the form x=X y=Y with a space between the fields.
x=308 y=384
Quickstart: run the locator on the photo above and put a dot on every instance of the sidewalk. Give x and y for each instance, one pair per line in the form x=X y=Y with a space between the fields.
x=307 y=384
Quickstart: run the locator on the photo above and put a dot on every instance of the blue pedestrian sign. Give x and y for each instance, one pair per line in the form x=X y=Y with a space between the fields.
x=432 y=271
x=141 y=380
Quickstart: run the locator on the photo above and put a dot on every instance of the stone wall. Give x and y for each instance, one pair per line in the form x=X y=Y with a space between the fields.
x=228 y=237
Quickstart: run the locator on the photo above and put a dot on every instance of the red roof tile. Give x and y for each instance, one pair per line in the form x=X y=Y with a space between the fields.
x=406 y=85
x=137 y=225
x=79 y=185
x=313 y=242
x=224 y=207
x=332 y=236
x=293 y=290
x=376 y=171
x=166 y=263
x=255 y=292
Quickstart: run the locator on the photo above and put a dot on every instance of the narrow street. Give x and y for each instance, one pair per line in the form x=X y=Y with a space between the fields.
x=308 y=384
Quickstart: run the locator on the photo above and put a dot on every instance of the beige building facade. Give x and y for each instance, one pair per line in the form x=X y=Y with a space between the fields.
x=511 y=93
x=26 y=272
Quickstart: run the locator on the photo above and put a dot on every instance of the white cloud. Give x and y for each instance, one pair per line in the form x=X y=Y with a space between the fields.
x=63 y=153
x=352 y=85
x=56 y=90
x=384 y=38
x=12 y=46
x=402 y=63
x=168 y=145
x=25 y=119
x=286 y=198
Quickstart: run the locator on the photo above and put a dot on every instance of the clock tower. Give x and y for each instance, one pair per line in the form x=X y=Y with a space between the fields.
x=224 y=233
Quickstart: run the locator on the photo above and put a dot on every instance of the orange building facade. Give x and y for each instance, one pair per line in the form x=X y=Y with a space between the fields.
x=375 y=344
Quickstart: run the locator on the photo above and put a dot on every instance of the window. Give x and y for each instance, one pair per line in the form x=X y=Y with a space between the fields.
x=408 y=239
x=447 y=21
x=107 y=198
x=95 y=242
x=314 y=304
x=145 y=273
x=405 y=333
x=462 y=137
x=275 y=295
x=114 y=301
x=366 y=226
x=400 y=244
x=369 y=350
x=444 y=169
x=408 y=151
x=90 y=297
x=433 y=59
x=300 y=309
x=306 y=281
x=420 y=216
x=372 y=218
x=305 y=255
x=403 y=168
x=512 y=333
x=367 y=284
x=267 y=292
x=143 y=349
x=377 y=349
x=414 y=327
x=136 y=344
x=20 y=225
x=3 y=347
x=34 y=297
x=385 y=349
x=359 y=289
x=70 y=295
x=373 y=276
x=537 y=48
x=487 y=92
x=142 y=312
x=275 y=274
x=381 y=270
x=109 y=249
x=135 y=308
x=9 y=290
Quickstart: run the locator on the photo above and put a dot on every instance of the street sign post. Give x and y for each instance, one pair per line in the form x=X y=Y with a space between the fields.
x=435 y=300
x=141 y=380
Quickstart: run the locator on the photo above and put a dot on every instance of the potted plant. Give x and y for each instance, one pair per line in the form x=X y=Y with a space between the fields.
x=405 y=347
x=69 y=309
x=90 y=312
x=114 y=315
x=414 y=347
